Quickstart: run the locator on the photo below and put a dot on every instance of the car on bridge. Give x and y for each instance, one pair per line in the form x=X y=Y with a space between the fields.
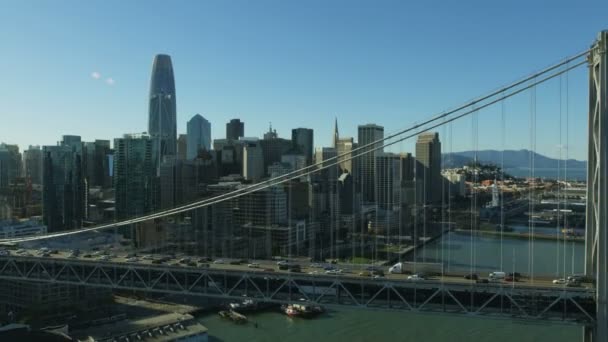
x=416 y=277
x=365 y=274
x=560 y=281
x=294 y=268
x=472 y=276
x=334 y=272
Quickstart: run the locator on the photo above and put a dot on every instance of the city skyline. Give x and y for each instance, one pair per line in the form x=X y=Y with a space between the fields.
x=367 y=163
x=104 y=89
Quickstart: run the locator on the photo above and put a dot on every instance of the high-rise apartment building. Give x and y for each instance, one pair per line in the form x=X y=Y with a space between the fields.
x=235 y=129
x=322 y=155
x=182 y=146
x=428 y=168
x=365 y=176
x=97 y=155
x=273 y=148
x=64 y=191
x=199 y=136
x=387 y=180
x=344 y=148
x=162 y=126
x=32 y=160
x=303 y=140
x=407 y=164
x=10 y=164
x=178 y=181
x=134 y=175
x=253 y=161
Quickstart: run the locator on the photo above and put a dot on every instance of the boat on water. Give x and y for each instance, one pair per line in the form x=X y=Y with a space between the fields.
x=302 y=310
x=244 y=306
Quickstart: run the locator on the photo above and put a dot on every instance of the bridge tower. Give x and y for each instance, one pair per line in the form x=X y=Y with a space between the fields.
x=596 y=235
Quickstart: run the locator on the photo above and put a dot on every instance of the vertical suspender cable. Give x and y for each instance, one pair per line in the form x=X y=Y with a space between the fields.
x=559 y=185
x=502 y=179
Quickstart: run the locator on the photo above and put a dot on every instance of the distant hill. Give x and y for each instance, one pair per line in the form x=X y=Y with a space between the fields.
x=512 y=159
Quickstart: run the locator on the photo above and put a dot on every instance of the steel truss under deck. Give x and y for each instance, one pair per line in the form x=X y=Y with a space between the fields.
x=556 y=305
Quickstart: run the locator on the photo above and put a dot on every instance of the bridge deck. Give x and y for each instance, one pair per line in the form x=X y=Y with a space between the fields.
x=539 y=300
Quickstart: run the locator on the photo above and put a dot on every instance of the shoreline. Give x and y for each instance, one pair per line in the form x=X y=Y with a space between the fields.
x=520 y=235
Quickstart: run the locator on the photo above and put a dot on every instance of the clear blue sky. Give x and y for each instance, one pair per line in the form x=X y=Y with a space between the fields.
x=292 y=63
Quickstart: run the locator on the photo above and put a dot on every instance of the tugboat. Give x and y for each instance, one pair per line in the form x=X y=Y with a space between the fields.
x=302 y=310
x=290 y=311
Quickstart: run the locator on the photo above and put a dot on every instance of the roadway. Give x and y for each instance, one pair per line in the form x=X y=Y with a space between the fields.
x=349 y=271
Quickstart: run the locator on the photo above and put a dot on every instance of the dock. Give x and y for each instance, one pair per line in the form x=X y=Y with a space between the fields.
x=233 y=316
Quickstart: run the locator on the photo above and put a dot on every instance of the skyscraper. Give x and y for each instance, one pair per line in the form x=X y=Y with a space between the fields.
x=253 y=161
x=182 y=147
x=10 y=164
x=64 y=185
x=322 y=154
x=345 y=147
x=428 y=168
x=273 y=148
x=302 y=139
x=162 y=126
x=367 y=134
x=387 y=180
x=32 y=158
x=235 y=129
x=178 y=182
x=199 y=136
x=133 y=175
x=96 y=156
x=406 y=176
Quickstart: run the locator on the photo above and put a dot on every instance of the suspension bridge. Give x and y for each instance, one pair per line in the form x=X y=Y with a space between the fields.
x=216 y=270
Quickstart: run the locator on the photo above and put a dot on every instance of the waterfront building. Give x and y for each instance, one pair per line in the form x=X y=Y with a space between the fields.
x=162 y=328
x=12 y=229
x=199 y=135
x=162 y=126
x=365 y=176
x=428 y=168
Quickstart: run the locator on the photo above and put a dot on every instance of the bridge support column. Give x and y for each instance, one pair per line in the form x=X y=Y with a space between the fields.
x=588 y=334
x=596 y=235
